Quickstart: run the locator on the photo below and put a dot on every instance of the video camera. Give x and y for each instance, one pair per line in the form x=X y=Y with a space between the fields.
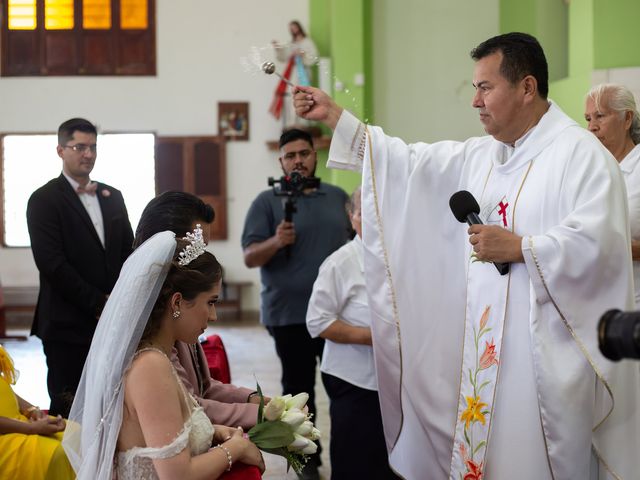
x=292 y=185
x=619 y=335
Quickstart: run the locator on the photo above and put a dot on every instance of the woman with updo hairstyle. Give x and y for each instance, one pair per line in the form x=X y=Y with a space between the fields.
x=613 y=117
x=131 y=415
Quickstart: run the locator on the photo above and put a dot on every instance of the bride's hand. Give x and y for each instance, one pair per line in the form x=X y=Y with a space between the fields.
x=222 y=433
x=250 y=454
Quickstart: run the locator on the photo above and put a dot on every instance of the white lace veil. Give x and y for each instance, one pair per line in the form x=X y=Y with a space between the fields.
x=96 y=415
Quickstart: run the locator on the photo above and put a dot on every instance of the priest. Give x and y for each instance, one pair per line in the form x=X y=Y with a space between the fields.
x=483 y=375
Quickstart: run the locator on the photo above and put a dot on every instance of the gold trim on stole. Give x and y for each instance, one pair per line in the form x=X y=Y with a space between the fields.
x=388 y=274
x=584 y=351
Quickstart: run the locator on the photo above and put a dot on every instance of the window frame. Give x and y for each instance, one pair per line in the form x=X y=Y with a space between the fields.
x=79 y=52
x=3 y=135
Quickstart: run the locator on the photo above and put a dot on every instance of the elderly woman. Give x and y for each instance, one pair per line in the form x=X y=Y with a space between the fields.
x=613 y=117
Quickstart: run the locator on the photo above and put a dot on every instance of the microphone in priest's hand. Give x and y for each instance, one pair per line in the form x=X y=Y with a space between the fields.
x=466 y=209
x=270 y=68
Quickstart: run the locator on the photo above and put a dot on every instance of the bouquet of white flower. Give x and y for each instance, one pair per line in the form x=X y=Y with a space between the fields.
x=284 y=428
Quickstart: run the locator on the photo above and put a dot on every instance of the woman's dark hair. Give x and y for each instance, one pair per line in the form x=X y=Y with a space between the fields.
x=199 y=276
x=522 y=55
x=174 y=211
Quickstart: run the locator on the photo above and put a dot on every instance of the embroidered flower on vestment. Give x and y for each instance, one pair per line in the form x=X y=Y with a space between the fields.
x=474 y=412
x=489 y=356
x=474 y=471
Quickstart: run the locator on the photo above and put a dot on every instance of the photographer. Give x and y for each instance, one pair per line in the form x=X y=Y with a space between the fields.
x=289 y=255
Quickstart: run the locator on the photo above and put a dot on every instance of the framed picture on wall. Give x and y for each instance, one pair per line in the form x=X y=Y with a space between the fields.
x=233 y=120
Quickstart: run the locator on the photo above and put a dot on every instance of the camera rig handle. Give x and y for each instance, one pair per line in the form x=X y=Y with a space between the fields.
x=289 y=210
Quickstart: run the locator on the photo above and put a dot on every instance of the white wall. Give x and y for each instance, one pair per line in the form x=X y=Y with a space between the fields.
x=422 y=90
x=421 y=66
x=200 y=44
x=629 y=77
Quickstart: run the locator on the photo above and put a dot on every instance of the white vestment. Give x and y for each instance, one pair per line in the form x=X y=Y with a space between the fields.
x=630 y=166
x=557 y=397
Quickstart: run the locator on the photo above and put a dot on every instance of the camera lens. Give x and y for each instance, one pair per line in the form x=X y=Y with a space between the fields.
x=619 y=335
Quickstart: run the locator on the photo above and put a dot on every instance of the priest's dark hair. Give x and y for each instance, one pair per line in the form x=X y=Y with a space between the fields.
x=175 y=211
x=522 y=55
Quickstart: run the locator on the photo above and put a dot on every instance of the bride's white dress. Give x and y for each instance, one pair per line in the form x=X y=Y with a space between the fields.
x=197 y=434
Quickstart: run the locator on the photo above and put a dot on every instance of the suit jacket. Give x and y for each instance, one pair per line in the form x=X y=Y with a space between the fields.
x=223 y=403
x=76 y=271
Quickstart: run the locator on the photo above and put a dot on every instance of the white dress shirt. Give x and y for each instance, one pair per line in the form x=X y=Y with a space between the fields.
x=91 y=205
x=631 y=174
x=339 y=293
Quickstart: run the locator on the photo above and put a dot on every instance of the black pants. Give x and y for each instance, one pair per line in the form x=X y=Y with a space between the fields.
x=357 y=441
x=299 y=354
x=65 y=362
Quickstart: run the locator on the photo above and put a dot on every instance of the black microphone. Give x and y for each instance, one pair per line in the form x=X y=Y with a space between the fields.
x=466 y=209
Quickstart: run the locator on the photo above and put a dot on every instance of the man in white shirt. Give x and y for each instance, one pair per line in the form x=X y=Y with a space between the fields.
x=80 y=237
x=483 y=375
x=339 y=312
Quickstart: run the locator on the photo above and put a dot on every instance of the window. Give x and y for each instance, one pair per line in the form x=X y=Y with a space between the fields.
x=78 y=37
x=125 y=161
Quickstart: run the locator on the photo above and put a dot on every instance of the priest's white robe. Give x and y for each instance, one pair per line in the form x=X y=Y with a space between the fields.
x=572 y=214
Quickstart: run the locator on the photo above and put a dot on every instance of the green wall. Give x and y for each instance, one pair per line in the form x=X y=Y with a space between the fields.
x=547 y=20
x=600 y=34
x=334 y=25
x=615 y=33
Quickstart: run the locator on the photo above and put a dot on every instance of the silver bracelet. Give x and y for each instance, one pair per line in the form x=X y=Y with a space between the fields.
x=228 y=453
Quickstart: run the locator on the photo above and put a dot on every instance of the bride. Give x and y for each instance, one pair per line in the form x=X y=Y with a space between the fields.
x=131 y=413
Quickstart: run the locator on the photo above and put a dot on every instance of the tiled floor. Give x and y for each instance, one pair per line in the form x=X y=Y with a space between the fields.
x=251 y=356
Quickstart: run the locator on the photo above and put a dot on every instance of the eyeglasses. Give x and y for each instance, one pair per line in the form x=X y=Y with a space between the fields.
x=304 y=154
x=82 y=147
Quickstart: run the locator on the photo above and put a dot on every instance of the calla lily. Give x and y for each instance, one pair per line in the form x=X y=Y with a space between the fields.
x=274 y=409
x=294 y=418
x=315 y=434
x=299 y=401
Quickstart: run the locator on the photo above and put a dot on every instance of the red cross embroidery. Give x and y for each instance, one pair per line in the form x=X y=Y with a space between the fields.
x=503 y=211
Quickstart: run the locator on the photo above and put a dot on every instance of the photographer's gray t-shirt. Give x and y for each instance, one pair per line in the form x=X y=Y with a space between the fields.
x=321 y=225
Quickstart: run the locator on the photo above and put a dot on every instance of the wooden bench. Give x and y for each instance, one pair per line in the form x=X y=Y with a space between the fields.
x=231 y=297
x=8 y=308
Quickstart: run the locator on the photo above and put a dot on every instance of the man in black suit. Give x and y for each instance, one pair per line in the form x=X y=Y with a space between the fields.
x=80 y=237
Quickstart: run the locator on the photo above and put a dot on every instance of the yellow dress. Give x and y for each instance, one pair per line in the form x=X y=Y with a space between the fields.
x=32 y=457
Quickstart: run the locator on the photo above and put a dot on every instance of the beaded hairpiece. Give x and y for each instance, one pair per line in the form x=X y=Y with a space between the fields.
x=195 y=248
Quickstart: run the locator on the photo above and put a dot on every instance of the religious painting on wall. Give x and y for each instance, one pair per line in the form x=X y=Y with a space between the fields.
x=233 y=120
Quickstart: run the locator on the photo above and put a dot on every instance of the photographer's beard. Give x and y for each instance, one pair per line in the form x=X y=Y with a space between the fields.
x=301 y=169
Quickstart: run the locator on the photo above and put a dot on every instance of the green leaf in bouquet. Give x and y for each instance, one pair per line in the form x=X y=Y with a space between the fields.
x=261 y=405
x=271 y=434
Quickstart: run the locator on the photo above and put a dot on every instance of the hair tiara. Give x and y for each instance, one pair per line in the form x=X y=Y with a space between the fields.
x=195 y=248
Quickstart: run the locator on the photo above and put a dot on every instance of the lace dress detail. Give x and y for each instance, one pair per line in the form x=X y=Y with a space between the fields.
x=197 y=434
